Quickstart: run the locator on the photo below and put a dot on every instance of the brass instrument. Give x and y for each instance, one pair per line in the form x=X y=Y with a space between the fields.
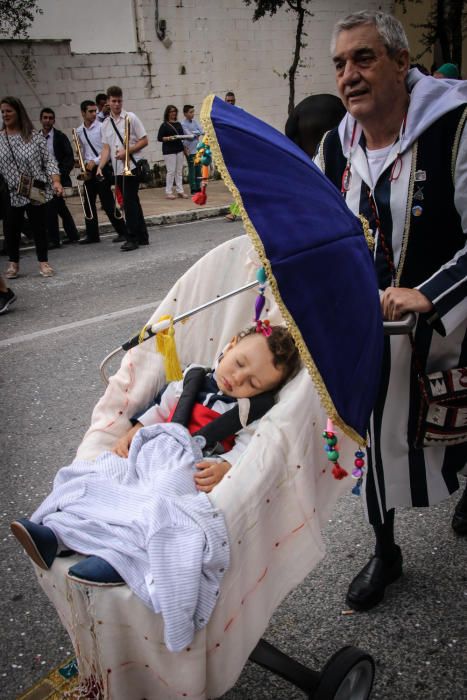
x=126 y=143
x=82 y=177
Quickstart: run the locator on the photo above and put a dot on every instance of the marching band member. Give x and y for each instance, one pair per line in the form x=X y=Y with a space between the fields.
x=89 y=134
x=59 y=147
x=113 y=147
x=103 y=107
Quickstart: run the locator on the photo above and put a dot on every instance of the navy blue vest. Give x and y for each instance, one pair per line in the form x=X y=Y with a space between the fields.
x=439 y=219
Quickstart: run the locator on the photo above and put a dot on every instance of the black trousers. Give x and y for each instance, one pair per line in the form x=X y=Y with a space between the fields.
x=13 y=223
x=102 y=188
x=135 y=223
x=55 y=208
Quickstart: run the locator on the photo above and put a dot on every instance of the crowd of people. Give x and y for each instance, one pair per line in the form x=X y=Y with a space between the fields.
x=36 y=166
x=399 y=158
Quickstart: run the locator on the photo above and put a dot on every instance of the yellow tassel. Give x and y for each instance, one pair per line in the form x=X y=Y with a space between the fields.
x=165 y=344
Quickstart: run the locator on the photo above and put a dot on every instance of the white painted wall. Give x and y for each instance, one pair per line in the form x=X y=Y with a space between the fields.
x=94 y=26
x=215 y=47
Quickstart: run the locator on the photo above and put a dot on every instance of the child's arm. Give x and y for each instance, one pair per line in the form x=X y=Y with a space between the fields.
x=210 y=473
x=123 y=445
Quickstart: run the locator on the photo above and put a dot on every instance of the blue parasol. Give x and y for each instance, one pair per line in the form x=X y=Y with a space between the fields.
x=316 y=256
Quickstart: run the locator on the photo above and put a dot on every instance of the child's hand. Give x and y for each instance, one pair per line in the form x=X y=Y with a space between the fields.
x=123 y=445
x=210 y=474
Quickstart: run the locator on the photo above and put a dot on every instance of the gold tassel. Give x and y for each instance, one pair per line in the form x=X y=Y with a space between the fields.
x=165 y=344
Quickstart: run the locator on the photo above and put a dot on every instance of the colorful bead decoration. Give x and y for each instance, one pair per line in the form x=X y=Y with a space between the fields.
x=331 y=448
x=260 y=300
x=332 y=451
x=358 y=471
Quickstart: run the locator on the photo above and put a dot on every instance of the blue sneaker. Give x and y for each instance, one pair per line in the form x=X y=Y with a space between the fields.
x=38 y=541
x=95 y=570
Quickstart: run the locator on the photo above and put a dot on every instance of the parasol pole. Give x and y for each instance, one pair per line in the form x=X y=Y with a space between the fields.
x=155 y=328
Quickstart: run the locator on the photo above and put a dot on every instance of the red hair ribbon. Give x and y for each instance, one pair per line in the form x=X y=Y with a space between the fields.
x=263 y=327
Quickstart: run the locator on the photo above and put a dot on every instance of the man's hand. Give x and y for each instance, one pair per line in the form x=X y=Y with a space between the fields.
x=210 y=474
x=397 y=301
x=90 y=165
x=57 y=188
x=120 y=155
x=123 y=445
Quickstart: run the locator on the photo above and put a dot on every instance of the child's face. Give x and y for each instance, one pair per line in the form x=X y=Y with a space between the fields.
x=246 y=368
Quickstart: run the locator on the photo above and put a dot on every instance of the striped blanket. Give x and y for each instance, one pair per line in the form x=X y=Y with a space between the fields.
x=145 y=517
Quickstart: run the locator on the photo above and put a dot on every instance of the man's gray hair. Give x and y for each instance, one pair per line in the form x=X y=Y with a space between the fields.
x=388 y=27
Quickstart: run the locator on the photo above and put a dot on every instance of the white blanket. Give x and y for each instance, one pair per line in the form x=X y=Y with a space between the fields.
x=145 y=517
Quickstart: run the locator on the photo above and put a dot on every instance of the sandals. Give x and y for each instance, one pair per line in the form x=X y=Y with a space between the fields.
x=45 y=270
x=12 y=271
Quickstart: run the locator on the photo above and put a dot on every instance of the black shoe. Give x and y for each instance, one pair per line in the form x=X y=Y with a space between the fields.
x=143 y=242
x=6 y=298
x=95 y=570
x=87 y=241
x=119 y=239
x=70 y=241
x=129 y=245
x=459 y=519
x=367 y=588
x=39 y=541
x=53 y=246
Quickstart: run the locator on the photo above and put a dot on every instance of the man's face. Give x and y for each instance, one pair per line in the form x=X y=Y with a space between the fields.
x=89 y=116
x=368 y=79
x=230 y=99
x=190 y=114
x=47 y=121
x=116 y=104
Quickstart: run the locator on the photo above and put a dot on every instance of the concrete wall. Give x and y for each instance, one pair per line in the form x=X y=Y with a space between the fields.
x=91 y=26
x=215 y=47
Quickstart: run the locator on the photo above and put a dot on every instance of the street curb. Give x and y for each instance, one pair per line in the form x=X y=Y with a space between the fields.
x=176 y=217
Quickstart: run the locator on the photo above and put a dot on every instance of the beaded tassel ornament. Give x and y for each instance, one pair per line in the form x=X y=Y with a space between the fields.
x=358 y=471
x=332 y=451
x=260 y=299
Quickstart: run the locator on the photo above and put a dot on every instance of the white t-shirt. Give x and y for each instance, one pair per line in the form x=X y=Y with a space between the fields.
x=376 y=160
x=137 y=131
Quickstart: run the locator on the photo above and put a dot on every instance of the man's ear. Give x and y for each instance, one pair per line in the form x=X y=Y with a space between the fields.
x=403 y=61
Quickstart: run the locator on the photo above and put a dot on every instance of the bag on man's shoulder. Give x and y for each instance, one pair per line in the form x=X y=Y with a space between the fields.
x=143 y=171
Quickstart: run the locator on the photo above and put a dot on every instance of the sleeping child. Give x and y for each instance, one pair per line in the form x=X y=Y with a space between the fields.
x=140 y=513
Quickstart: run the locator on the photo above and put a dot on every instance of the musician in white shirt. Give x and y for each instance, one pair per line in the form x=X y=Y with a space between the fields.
x=113 y=136
x=90 y=139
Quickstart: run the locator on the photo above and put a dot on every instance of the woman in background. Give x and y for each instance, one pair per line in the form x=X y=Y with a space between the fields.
x=32 y=177
x=173 y=151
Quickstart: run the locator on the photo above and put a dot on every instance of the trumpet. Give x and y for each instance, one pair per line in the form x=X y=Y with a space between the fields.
x=82 y=177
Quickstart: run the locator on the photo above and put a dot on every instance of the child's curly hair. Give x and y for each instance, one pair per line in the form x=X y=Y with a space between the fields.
x=284 y=351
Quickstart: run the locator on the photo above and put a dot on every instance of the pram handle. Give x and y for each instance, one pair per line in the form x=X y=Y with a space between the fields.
x=150 y=332
x=401 y=327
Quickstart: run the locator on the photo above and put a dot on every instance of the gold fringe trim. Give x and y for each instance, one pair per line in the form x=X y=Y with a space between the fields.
x=370 y=241
x=455 y=145
x=326 y=401
x=408 y=212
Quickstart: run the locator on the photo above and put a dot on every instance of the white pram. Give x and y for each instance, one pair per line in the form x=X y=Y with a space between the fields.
x=275 y=501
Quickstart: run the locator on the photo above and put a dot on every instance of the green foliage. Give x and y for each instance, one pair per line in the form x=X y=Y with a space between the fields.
x=16 y=17
x=270 y=7
x=445 y=27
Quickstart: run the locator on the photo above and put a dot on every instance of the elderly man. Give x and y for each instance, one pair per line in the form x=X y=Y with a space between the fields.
x=399 y=157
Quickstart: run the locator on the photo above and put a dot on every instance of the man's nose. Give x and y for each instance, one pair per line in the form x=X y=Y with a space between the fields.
x=351 y=74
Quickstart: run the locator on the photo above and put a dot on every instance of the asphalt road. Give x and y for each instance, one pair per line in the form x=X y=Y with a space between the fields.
x=50 y=349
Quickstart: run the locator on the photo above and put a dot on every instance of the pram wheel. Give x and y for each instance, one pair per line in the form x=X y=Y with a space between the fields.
x=348 y=675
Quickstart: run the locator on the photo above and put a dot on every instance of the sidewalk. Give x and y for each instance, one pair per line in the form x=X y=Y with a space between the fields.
x=159 y=210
